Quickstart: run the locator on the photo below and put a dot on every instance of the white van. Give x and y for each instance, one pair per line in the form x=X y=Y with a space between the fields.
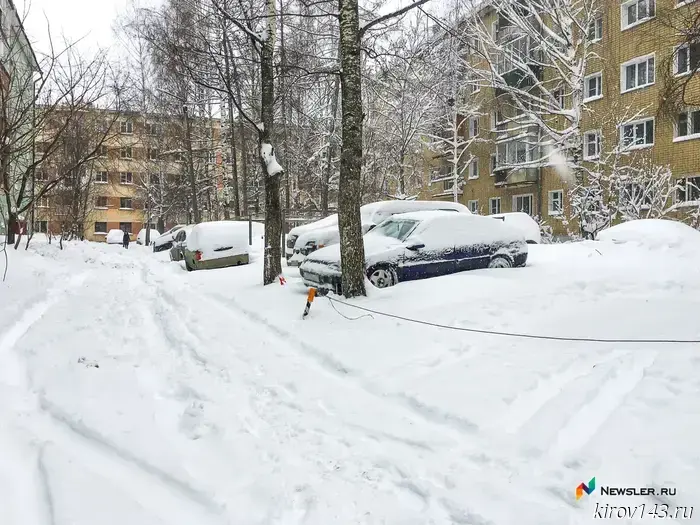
x=370 y=215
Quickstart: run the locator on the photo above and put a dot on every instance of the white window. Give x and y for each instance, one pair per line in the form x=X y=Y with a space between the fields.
x=591 y=145
x=637 y=11
x=126 y=127
x=494 y=164
x=688 y=124
x=473 y=127
x=523 y=203
x=555 y=202
x=126 y=153
x=125 y=203
x=687 y=58
x=43 y=202
x=473 y=206
x=689 y=190
x=126 y=177
x=593 y=85
x=637 y=134
x=474 y=169
x=595 y=29
x=559 y=98
x=101 y=177
x=637 y=73
x=516 y=152
x=494 y=205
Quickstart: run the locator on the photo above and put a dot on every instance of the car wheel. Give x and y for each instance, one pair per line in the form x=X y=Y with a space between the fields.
x=500 y=261
x=382 y=276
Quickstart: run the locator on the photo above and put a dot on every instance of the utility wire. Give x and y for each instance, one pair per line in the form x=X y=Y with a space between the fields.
x=513 y=334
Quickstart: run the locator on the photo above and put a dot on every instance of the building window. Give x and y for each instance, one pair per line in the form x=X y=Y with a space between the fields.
x=494 y=205
x=41 y=227
x=687 y=58
x=153 y=129
x=637 y=73
x=42 y=202
x=637 y=134
x=447 y=185
x=125 y=226
x=473 y=127
x=555 y=202
x=591 y=145
x=637 y=11
x=523 y=203
x=558 y=98
x=126 y=153
x=100 y=227
x=688 y=124
x=689 y=190
x=516 y=152
x=593 y=86
x=101 y=202
x=152 y=154
x=126 y=127
x=103 y=151
x=595 y=29
x=126 y=177
x=474 y=169
x=101 y=177
x=473 y=206
x=125 y=203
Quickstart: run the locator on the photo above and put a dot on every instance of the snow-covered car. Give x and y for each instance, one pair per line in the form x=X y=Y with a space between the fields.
x=523 y=222
x=371 y=215
x=217 y=244
x=653 y=233
x=152 y=236
x=419 y=245
x=165 y=241
x=115 y=236
x=294 y=233
x=177 y=250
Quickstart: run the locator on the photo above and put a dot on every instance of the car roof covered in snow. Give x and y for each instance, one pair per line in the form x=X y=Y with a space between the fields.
x=653 y=233
x=426 y=215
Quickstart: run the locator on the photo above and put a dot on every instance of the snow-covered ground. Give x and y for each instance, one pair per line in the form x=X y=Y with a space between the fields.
x=134 y=392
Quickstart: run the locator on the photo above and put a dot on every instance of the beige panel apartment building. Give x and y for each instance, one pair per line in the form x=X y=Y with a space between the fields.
x=634 y=59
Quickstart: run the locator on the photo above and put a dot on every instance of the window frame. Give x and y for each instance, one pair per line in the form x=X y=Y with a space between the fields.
x=599 y=144
x=473 y=127
x=493 y=200
x=43 y=202
x=126 y=127
x=128 y=174
x=550 y=210
x=98 y=206
x=692 y=114
x=98 y=180
x=123 y=200
x=126 y=153
x=696 y=190
x=624 y=11
x=123 y=225
x=597 y=24
x=586 y=79
x=634 y=145
x=531 y=196
x=100 y=232
x=475 y=203
x=636 y=62
x=474 y=164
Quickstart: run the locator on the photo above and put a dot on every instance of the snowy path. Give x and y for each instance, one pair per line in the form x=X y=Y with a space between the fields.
x=134 y=392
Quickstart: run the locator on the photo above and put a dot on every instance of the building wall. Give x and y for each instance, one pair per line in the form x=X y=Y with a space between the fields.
x=616 y=47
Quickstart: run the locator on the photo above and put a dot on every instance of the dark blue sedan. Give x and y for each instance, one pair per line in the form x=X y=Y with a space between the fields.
x=420 y=245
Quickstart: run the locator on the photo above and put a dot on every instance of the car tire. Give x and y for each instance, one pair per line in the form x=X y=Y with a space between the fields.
x=382 y=276
x=500 y=261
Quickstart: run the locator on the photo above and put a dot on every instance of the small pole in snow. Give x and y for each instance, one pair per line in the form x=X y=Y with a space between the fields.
x=309 y=300
x=250 y=230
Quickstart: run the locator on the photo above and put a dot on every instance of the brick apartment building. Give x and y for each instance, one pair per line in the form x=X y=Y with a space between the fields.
x=636 y=51
x=140 y=155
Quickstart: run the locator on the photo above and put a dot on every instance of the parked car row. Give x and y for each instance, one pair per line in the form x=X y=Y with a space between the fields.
x=422 y=244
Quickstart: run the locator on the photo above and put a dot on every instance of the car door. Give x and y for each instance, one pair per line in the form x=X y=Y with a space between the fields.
x=435 y=257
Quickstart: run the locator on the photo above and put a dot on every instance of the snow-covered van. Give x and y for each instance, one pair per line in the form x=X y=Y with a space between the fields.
x=371 y=215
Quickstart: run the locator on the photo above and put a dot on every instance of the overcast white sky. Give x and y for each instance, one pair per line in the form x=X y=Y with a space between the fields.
x=88 y=19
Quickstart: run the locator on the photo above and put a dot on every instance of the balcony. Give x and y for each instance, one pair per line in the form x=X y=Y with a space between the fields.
x=517 y=176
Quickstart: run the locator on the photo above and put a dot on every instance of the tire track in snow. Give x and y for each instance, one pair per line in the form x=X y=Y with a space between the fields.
x=529 y=403
x=584 y=425
x=150 y=486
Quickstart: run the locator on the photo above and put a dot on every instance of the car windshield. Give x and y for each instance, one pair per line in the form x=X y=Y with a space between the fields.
x=396 y=228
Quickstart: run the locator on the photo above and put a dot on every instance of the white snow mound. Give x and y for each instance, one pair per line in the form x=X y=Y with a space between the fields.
x=653 y=233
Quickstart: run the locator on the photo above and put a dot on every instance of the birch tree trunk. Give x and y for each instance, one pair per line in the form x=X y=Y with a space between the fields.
x=352 y=250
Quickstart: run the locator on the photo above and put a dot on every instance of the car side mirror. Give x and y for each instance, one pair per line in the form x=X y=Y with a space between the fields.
x=415 y=246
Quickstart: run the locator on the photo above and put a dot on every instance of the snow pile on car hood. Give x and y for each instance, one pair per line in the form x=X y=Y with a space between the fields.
x=522 y=222
x=374 y=245
x=654 y=234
